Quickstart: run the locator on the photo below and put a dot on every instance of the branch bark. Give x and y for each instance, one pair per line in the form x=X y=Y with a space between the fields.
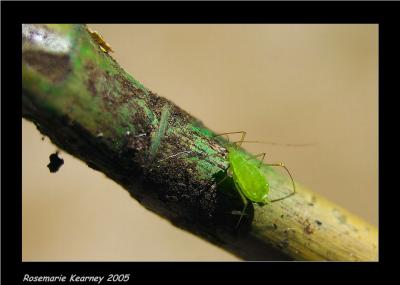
x=80 y=97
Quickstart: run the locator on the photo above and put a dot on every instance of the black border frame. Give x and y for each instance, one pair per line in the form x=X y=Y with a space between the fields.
x=16 y=13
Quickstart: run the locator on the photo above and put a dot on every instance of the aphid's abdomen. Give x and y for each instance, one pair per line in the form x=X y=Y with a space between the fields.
x=248 y=177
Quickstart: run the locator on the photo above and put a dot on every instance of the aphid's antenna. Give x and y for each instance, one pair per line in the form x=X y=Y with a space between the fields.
x=291 y=177
x=239 y=142
x=275 y=143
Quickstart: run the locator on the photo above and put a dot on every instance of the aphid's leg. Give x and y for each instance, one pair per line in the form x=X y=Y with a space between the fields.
x=238 y=143
x=244 y=208
x=226 y=176
x=235 y=212
x=290 y=175
x=258 y=155
x=223 y=179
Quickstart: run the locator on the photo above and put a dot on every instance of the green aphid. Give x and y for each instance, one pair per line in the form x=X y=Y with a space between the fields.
x=248 y=178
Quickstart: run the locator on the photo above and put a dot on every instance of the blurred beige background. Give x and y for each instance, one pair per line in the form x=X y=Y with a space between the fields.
x=285 y=83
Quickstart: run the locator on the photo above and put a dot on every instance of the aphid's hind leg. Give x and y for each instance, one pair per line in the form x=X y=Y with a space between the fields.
x=290 y=175
x=258 y=155
x=280 y=165
x=226 y=176
x=244 y=208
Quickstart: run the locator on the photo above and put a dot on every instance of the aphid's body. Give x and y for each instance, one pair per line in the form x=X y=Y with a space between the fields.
x=104 y=46
x=247 y=176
